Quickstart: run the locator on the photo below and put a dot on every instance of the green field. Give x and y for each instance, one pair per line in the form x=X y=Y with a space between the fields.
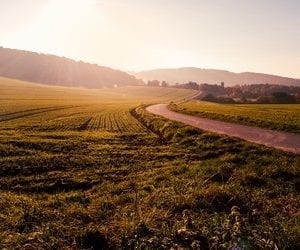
x=91 y=168
x=285 y=117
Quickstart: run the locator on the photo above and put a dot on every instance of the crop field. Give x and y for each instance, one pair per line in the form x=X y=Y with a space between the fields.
x=32 y=107
x=83 y=169
x=107 y=117
x=285 y=117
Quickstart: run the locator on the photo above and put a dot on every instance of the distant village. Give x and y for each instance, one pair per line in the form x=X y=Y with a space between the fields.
x=252 y=93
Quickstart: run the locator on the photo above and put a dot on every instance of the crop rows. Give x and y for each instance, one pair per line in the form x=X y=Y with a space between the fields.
x=30 y=112
x=114 y=122
x=111 y=119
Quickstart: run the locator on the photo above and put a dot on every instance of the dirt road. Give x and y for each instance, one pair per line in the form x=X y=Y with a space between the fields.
x=281 y=140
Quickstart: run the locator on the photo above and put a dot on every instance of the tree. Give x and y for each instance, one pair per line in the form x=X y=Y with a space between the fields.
x=153 y=83
x=192 y=85
x=209 y=98
x=164 y=84
x=283 y=97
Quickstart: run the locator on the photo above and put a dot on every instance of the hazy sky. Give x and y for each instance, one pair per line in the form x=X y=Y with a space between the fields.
x=237 y=35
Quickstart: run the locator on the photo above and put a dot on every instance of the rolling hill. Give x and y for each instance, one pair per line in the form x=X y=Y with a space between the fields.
x=213 y=76
x=54 y=70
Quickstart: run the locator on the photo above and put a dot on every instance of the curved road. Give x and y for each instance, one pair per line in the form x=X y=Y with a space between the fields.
x=281 y=140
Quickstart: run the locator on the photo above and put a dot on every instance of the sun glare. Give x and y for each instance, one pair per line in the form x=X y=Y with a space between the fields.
x=60 y=22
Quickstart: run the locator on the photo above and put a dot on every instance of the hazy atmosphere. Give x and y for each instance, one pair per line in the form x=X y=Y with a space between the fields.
x=133 y=35
x=149 y=124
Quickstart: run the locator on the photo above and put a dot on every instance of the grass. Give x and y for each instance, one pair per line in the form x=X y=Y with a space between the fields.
x=68 y=183
x=283 y=117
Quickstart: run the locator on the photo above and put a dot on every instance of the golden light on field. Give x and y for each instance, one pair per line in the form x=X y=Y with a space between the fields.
x=96 y=158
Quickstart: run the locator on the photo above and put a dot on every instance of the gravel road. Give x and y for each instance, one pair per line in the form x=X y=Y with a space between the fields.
x=289 y=142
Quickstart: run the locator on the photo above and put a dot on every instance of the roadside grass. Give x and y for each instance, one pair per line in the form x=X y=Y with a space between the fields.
x=283 y=117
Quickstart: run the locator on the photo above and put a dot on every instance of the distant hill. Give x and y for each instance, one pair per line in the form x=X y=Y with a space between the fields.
x=54 y=70
x=213 y=76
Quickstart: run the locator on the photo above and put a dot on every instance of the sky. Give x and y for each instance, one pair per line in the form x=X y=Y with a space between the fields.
x=134 y=35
